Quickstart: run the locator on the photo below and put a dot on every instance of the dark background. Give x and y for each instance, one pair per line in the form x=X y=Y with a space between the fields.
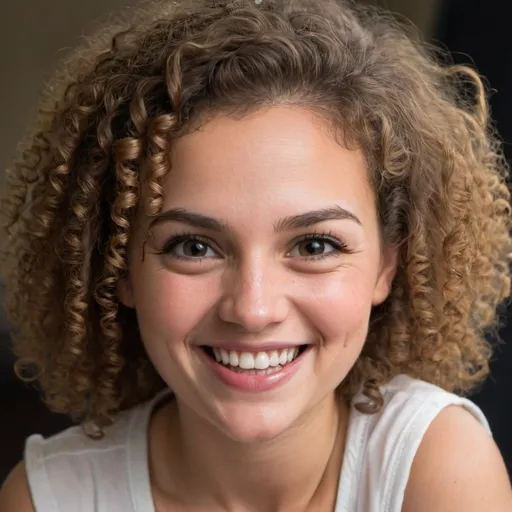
x=475 y=32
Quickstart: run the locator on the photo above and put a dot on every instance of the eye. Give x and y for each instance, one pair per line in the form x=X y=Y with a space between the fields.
x=317 y=247
x=189 y=248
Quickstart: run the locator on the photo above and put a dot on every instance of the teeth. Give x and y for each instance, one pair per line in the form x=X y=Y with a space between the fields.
x=246 y=361
x=225 y=356
x=258 y=361
x=233 y=358
x=262 y=361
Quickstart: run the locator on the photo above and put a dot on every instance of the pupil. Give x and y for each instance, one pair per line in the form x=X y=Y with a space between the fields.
x=314 y=247
x=195 y=248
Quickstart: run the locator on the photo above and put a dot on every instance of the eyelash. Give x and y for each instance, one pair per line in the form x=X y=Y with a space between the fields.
x=338 y=246
x=185 y=237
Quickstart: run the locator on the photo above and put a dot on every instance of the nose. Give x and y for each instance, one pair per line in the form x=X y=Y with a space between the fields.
x=255 y=297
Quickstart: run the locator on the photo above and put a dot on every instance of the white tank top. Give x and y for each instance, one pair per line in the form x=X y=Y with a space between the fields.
x=70 y=472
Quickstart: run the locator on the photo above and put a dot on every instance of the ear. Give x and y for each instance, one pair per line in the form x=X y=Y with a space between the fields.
x=125 y=292
x=387 y=272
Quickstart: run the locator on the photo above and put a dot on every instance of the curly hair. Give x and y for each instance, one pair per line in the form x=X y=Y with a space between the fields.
x=104 y=132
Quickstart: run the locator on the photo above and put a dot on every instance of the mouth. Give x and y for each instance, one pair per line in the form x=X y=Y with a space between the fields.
x=254 y=363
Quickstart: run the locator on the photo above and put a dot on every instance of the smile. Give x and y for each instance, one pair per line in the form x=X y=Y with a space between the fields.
x=255 y=360
x=254 y=371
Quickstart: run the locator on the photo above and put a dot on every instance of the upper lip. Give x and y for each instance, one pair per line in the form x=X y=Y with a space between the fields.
x=254 y=347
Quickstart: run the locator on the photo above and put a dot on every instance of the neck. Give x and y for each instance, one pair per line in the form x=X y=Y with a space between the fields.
x=299 y=470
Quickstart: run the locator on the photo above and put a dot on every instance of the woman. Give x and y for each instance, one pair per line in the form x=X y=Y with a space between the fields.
x=283 y=212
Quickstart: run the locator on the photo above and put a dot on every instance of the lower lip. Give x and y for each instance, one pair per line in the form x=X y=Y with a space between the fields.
x=254 y=383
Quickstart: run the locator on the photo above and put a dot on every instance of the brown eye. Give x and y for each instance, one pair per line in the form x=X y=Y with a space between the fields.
x=189 y=248
x=312 y=247
x=309 y=248
x=194 y=249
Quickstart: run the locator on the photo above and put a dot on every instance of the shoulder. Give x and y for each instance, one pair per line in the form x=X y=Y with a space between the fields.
x=409 y=408
x=15 y=493
x=457 y=467
x=52 y=471
x=414 y=430
x=82 y=441
x=68 y=471
x=72 y=471
x=73 y=449
x=67 y=448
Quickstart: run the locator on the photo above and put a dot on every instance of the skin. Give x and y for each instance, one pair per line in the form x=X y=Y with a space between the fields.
x=457 y=468
x=258 y=285
x=217 y=449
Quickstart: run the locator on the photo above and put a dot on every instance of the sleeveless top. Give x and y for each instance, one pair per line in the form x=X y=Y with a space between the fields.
x=70 y=472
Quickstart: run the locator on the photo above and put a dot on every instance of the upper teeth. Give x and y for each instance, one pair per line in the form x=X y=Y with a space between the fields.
x=258 y=361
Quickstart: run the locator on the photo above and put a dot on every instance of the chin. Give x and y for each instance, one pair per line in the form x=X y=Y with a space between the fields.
x=257 y=423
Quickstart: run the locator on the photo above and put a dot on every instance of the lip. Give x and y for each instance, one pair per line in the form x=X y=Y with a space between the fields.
x=253 y=348
x=253 y=383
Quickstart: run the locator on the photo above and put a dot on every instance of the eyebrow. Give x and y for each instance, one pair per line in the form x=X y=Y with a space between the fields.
x=303 y=220
x=307 y=219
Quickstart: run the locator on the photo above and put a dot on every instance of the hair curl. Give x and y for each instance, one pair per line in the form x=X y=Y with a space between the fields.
x=117 y=104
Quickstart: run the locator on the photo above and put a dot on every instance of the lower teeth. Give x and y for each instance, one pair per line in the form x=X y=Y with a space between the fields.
x=271 y=369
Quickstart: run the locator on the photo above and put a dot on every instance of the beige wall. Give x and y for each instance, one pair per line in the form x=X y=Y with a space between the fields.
x=34 y=34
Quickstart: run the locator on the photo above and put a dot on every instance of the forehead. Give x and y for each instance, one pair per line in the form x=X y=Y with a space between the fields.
x=278 y=158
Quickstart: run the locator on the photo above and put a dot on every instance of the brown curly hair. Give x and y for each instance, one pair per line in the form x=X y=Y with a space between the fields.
x=114 y=110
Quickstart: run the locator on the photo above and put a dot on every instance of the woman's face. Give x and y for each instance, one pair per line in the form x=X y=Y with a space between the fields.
x=267 y=249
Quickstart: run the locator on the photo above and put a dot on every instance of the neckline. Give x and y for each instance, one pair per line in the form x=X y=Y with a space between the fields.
x=137 y=458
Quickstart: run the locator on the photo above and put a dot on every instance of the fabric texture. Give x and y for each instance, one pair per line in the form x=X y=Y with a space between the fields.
x=70 y=472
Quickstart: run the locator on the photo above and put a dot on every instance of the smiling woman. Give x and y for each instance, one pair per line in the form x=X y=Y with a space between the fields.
x=259 y=267
x=257 y=246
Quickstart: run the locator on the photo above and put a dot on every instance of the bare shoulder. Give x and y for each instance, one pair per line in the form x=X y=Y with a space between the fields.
x=15 y=493
x=458 y=467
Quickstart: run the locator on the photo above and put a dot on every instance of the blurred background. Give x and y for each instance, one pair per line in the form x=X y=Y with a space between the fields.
x=35 y=35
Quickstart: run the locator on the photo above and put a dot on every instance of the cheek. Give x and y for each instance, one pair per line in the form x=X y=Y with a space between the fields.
x=340 y=313
x=170 y=306
x=340 y=306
